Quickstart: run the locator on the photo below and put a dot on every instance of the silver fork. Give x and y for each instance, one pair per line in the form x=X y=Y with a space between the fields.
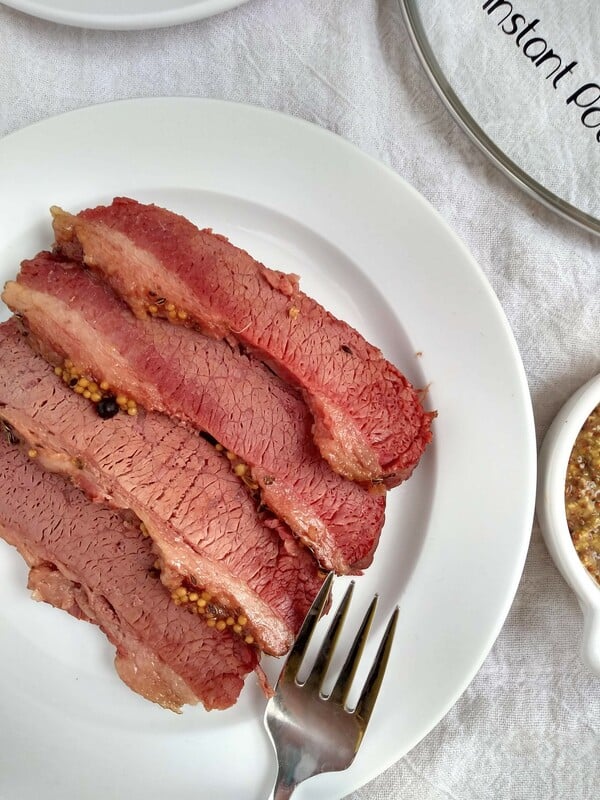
x=312 y=733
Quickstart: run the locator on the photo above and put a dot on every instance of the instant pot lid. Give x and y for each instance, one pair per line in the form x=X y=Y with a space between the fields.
x=523 y=80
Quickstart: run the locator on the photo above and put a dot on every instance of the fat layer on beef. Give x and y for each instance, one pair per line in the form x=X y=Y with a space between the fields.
x=94 y=563
x=368 y=419
x=216 y=388
x=204 y=525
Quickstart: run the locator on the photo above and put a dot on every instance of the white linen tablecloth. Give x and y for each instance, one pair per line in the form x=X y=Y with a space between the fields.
x=528 y=727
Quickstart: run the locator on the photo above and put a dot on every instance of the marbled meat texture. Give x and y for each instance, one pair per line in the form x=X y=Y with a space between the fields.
x=369 y=421
x=205 y=382
x=94 y=563
x=204 y=524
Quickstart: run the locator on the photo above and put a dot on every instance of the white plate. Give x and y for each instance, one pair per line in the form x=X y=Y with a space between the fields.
x=375 y=253
x=121 y=15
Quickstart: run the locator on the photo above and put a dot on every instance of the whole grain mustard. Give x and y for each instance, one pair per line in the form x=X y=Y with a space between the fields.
x=582 y=494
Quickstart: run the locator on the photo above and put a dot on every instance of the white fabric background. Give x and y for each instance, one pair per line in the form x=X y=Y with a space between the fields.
x=528 y=727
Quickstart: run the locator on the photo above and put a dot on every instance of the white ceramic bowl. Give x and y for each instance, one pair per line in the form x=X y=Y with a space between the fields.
x=553 y=462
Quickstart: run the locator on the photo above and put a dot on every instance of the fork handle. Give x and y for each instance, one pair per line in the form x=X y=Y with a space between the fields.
x=283 y=789
x=282 y=792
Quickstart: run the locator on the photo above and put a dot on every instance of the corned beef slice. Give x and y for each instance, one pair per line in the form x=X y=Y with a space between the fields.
x=92 y=562
x=204 y=381
x=204 y=524
x=369 y=422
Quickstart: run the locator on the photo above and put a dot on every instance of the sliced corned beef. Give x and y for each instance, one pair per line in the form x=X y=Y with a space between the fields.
x=369 y=421
x=94 y=563
x=204 y=524
x=216 y=388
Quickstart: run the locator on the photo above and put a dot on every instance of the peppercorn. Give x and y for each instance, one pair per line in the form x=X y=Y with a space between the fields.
x=107 y=407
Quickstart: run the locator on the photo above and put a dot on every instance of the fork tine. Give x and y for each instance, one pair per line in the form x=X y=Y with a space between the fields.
x=368 y=696
x=296 y=654
x=319 y=670
x=344 y=682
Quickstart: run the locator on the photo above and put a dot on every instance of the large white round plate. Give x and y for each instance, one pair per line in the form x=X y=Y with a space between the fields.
x=452 y=551
x=120 y=15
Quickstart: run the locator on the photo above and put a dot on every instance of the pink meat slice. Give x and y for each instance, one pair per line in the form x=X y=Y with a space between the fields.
x=94 y=563
x=216 y=388
x=368 y=419
x=203 y=522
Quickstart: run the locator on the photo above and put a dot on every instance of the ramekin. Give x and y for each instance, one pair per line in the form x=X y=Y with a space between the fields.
x=553 y=461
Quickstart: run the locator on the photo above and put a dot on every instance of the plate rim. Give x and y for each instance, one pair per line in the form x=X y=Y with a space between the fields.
x=483 y=283
x=200 y=9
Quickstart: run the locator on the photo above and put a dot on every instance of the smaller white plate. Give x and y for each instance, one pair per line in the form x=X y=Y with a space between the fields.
x=121 y=15
x=553 y=462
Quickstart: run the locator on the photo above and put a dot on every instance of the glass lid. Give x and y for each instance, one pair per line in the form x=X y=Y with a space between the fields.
x=523 y=79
